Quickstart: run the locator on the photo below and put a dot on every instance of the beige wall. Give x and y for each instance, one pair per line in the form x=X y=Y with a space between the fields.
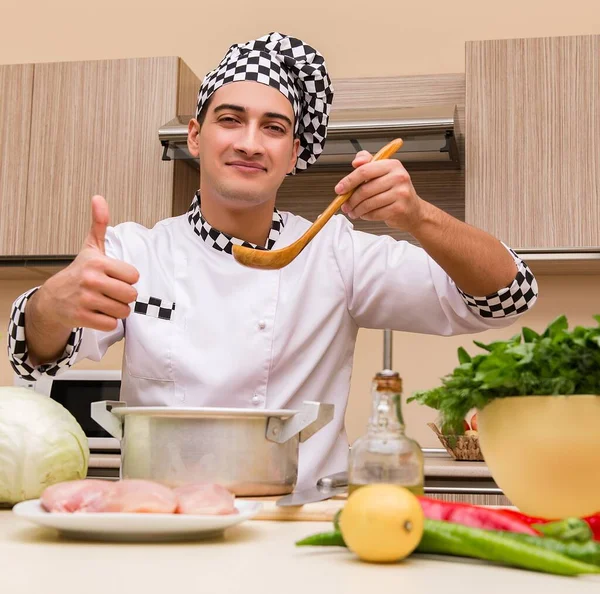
x=384 y=39
x=379 y=39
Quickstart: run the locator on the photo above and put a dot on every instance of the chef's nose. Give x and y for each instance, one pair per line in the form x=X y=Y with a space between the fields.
x=249 y=141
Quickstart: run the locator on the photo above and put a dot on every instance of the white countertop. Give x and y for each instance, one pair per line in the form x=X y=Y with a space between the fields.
x=255 y=557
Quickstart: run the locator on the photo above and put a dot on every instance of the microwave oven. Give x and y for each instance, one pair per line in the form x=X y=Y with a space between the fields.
x=76 y=390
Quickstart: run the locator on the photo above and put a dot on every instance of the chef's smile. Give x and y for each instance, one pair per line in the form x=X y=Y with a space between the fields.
x=245 y=167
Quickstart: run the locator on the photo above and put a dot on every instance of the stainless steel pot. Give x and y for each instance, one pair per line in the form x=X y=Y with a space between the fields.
x=251 y=452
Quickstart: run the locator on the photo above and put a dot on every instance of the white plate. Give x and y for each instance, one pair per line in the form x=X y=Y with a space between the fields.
x=135 y=527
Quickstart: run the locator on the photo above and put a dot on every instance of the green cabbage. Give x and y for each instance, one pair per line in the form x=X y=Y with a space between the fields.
x=41 y=443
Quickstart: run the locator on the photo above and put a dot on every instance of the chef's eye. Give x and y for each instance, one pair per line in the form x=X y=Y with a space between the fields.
x=276 y=128
x=228 y=120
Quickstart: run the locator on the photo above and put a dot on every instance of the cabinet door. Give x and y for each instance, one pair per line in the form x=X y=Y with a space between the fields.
x=15 y=105
x=94 y=131
x=533 y=140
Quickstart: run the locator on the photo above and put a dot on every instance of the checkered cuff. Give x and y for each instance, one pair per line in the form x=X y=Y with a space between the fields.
x=17 y=345
x=510 y=301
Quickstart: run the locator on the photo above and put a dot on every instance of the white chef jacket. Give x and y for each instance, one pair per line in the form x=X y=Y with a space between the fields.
x=240 y=337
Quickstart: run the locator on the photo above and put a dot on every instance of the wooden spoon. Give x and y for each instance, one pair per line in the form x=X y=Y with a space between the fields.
x=275 y=259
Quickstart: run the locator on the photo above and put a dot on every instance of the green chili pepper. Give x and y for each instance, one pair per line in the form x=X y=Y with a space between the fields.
x=447 y=538
x=570 y=529
x=323 y=539
x=336 y=520
x=455 y=539
x=587 y=552
x=438 y=542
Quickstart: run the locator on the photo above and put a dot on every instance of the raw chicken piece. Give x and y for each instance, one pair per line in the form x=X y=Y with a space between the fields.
x=205 y=499
x=72 y=496
x=139 y=496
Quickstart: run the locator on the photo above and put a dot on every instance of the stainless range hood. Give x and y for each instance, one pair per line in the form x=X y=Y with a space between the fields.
x=429 y=136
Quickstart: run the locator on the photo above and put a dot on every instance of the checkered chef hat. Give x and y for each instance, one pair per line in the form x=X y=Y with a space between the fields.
x=292 y=67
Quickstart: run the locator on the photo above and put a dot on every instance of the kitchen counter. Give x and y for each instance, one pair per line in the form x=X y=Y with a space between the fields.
x=254 y=557
x=441 y=464
x=437 y=464
x=445 y=478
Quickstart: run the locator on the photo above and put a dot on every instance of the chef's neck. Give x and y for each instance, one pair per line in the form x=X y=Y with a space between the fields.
x=250 y=223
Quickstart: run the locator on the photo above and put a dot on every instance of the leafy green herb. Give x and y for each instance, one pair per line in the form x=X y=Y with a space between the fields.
x=558 y=361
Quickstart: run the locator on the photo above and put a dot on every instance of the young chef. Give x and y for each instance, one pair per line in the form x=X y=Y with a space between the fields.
x=201 y=329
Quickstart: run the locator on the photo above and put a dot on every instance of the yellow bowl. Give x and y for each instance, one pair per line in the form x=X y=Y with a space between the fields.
x=544 y=452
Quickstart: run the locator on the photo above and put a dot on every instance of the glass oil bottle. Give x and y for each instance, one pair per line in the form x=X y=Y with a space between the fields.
x=385 y=454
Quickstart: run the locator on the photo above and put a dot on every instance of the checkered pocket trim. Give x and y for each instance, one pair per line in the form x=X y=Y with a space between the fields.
x=18 y=355
x=513 y=300
x=154 y=308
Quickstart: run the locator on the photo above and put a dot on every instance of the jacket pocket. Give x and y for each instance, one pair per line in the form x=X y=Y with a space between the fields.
x=149 y=338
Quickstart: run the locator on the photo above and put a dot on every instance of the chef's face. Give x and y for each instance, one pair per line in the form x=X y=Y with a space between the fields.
x=245 y=143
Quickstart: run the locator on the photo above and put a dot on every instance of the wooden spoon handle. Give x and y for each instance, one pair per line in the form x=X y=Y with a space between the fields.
x=387 y=151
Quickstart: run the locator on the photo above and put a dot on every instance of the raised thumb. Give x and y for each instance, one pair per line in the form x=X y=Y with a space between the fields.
x=100 y=216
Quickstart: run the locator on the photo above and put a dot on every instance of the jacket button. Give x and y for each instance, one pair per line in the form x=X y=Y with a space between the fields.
x=255 y=400
x=262 y=324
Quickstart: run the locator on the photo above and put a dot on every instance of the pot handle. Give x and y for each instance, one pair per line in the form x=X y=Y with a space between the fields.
x=101 y=413
x=307 y=421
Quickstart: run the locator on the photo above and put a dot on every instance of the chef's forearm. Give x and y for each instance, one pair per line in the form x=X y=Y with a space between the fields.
x=475 y=260
x=46 y=339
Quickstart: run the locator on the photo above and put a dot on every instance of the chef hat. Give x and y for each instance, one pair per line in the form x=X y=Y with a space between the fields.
x=292 y=67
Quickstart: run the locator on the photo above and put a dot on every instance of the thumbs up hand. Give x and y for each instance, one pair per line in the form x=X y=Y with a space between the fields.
x=100 y=216
x=94 y=291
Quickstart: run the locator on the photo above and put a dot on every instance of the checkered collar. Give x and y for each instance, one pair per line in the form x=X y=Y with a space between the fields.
x=223 y=242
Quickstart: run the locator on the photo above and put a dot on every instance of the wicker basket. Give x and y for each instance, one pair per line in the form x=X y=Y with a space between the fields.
x=460 y=447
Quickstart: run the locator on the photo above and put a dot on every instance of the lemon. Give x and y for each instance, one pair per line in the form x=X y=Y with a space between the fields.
x=382 y=523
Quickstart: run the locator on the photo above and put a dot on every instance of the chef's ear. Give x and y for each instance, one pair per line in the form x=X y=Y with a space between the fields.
x=294 y=158
x=193 y=138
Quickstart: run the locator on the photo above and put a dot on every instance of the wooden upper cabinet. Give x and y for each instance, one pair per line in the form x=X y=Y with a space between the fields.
x=94 y=130
x=533 y=141
x=16 y=83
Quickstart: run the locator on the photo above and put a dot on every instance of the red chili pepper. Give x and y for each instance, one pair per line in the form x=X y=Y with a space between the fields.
x=474 y=516
x=523 y=517
x=593 y=521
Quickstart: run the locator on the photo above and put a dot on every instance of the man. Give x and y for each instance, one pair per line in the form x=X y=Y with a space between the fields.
x=202 y=330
